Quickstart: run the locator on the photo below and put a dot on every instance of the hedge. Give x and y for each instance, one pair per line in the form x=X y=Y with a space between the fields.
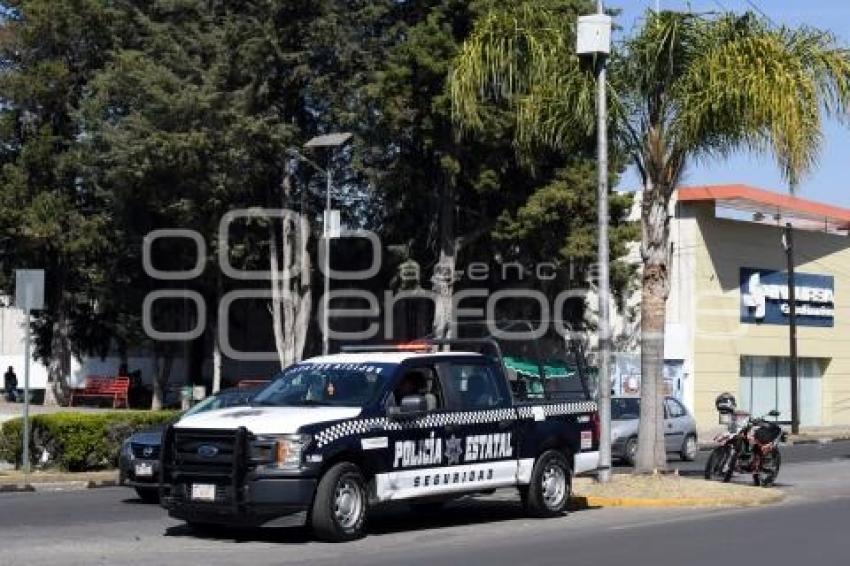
x=76 y=442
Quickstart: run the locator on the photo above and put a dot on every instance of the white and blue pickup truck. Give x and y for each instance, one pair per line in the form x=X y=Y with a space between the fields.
x=332 y=437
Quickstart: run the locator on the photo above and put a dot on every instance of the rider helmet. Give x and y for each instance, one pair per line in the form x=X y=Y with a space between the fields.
x=725 y=403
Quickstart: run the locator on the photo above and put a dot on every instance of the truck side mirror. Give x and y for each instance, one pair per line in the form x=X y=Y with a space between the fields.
x=411 y=405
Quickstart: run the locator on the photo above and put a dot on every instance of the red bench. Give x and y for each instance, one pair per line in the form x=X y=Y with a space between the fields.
x=104 y=387
x=251 y=383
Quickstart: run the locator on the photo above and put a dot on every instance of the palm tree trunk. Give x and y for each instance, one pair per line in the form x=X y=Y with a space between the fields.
x=652 y=453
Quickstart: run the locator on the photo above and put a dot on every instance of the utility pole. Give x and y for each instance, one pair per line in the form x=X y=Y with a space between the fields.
x=327 y=293
x=594 y=38
x=29 y=296
x=788 y=244
x=330 y=141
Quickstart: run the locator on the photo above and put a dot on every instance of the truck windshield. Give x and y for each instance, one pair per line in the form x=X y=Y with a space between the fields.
x=341 y=385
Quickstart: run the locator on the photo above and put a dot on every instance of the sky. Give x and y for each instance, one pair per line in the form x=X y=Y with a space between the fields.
x=829 y=180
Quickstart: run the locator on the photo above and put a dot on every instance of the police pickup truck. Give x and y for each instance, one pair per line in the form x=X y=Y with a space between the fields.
x=333 y=436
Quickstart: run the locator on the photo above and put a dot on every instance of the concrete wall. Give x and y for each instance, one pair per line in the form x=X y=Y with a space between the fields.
x=12 y=354
x=12 y=347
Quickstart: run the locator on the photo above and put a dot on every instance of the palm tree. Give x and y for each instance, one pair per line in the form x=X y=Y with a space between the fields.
x=685 y=87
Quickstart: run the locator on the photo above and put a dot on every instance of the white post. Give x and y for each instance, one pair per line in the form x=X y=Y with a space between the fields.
x=26 y=435
x=593 y=38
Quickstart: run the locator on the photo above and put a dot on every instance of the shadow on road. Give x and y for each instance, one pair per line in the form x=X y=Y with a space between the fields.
x=386 y=520
x=224 y=533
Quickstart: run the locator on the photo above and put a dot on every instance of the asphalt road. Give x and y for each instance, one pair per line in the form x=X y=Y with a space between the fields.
x=109 y=526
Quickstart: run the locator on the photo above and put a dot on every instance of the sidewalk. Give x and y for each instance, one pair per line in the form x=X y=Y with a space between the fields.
x=13 y=480
x=668 y=490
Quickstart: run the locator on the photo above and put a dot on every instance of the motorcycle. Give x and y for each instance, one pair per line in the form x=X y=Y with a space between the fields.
x=752 y=448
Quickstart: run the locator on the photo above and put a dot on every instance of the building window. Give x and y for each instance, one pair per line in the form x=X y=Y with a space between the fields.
x=765 y=385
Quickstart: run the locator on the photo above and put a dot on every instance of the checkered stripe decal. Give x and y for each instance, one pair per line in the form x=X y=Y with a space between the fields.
x=569 y=408
x=361 y=426
x=557 y=409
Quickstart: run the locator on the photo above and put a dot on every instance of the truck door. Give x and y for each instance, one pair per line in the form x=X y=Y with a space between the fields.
x=480 y=437
x=416 y=443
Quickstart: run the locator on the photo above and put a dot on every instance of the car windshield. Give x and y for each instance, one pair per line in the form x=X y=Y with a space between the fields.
x=338 y=384
x=221 y=401
x=625 y=408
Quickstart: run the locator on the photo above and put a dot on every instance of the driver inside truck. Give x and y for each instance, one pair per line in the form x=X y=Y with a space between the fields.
x=415 y=382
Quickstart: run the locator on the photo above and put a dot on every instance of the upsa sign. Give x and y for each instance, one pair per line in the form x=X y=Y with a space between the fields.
x=764 y=298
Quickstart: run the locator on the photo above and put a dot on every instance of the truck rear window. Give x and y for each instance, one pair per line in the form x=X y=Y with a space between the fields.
x=549 y=379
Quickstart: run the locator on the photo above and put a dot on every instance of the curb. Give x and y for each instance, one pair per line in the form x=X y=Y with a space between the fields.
x=591 y=501
x=55 y=486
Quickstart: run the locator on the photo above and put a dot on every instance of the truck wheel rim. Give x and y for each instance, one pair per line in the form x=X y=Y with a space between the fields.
x=554 y=484
x=348 y=503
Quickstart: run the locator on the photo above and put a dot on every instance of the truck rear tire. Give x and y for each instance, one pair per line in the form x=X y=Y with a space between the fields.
x=340 y=506
x=548 y=494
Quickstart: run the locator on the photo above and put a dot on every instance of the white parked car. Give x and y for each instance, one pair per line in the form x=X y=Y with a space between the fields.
x=680 y=429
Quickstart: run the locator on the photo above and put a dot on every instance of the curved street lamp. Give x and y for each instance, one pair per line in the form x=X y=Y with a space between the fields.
x=332 y=140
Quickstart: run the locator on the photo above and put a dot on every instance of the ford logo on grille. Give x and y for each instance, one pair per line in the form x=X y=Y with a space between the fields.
x=207 y=450
x=148 y=451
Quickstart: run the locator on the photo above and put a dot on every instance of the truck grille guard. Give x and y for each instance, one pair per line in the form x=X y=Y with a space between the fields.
x=178 y=467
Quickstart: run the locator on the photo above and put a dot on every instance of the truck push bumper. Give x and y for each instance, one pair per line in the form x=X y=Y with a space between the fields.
x=261 y=501
x=209 y=476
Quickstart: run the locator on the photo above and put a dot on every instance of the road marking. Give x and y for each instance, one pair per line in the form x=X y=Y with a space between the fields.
x=692 y=515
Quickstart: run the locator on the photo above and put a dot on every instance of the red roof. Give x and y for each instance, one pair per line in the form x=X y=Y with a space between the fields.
x=801 y=213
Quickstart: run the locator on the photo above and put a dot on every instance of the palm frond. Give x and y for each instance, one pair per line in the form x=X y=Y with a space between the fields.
x=524 y=56
x=762 y=88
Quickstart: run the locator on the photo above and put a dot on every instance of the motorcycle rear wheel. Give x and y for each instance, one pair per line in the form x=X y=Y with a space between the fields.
x=769 y=469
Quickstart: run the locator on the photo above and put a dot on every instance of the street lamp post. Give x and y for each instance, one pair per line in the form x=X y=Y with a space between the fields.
x=593 y=38
x=329 y=141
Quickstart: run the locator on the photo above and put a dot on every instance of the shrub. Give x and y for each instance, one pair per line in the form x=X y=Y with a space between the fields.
x=76 y=441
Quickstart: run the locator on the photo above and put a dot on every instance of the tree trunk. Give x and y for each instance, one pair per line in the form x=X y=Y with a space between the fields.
x=163 y=360
x=277 y=306
x=59 y=367
x=652 y=454
x=291 y=292
x=444 y=271
x=216 y=363
x=304 y=295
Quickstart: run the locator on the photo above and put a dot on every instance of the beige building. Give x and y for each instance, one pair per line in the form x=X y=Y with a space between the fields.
x=728 y=306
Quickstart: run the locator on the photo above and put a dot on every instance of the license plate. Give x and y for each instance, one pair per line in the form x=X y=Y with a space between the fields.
x=203 y=492
x=144 y=469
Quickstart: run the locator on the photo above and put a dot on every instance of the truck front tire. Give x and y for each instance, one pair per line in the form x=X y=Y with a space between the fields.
x=148 y=494
x=340 y=506
x=548 y=494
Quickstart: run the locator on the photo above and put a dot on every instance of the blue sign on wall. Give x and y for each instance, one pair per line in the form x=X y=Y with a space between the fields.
x=764 y=298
